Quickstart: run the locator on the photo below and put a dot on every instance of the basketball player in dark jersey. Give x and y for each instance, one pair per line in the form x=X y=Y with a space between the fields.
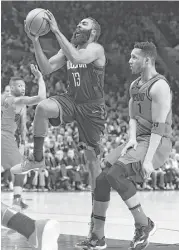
x=84 y=100
x=148 y=148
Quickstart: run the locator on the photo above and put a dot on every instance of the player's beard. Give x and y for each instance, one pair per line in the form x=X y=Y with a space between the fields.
x=82 y=38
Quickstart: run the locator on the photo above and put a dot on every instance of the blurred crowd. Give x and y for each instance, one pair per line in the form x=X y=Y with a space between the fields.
x=66 y=165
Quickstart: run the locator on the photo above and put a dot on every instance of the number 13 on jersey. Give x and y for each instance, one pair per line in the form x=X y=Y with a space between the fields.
x=76 y=77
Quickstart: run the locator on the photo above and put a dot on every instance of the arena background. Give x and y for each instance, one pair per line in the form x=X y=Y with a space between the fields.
x=122 y=23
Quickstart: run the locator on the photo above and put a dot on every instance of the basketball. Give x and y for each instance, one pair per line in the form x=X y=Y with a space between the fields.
x=36 y=23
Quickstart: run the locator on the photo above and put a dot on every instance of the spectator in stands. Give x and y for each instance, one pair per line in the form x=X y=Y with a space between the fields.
x=43 y=174
x=157 y=177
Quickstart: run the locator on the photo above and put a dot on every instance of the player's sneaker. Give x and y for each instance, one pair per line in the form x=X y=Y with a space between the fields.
x=18 y=204
x=93 y=243
x=141 y=235
x=45 y=236
x=27 y=165
x=84 y=242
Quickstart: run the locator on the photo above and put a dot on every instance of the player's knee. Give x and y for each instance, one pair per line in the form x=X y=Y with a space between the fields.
x=102 y=189
x=115 y=174
x=41 y=109
x=118 y=179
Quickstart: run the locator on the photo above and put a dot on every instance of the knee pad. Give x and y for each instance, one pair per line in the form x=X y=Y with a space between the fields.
x=119 y=181
x=102 y=189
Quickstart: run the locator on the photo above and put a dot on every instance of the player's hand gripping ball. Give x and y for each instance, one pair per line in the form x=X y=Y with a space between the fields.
x=52 y=21
x=36 y=23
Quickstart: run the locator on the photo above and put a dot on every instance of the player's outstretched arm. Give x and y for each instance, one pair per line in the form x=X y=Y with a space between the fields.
x=23 y=125
x=132 y=142
x=132 y=122
x=161 y=105
x=26 y=100
x=92 y=53
x=46 y=65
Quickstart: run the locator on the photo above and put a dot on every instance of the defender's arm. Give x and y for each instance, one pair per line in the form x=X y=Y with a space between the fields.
x=161 y=105
x=23 y=125
x=132 y=122
x=29 y=101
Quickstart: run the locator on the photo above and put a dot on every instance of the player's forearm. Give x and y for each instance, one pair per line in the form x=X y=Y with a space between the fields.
x=153 y=145
x=132 y=122
x=41 y=93
x=23 y=133
x=23 y=126
x=132 y=129
x=41 y=58
x=68 y=49
x=42 y=89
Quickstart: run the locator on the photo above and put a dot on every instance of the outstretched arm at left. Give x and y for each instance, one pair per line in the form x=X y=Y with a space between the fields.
x=161 y=105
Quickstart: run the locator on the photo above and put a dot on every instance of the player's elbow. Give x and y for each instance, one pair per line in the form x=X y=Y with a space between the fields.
x=79 y=60
x=75 y=60
x=42 y=97
x=47 y=71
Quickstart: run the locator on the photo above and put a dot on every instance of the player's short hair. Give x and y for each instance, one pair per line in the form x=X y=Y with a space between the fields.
x=97 y=27
x=6 y=86
x=148 y=48
x=14 y=79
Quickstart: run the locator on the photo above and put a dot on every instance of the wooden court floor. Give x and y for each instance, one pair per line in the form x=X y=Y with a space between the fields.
x=73 y=210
